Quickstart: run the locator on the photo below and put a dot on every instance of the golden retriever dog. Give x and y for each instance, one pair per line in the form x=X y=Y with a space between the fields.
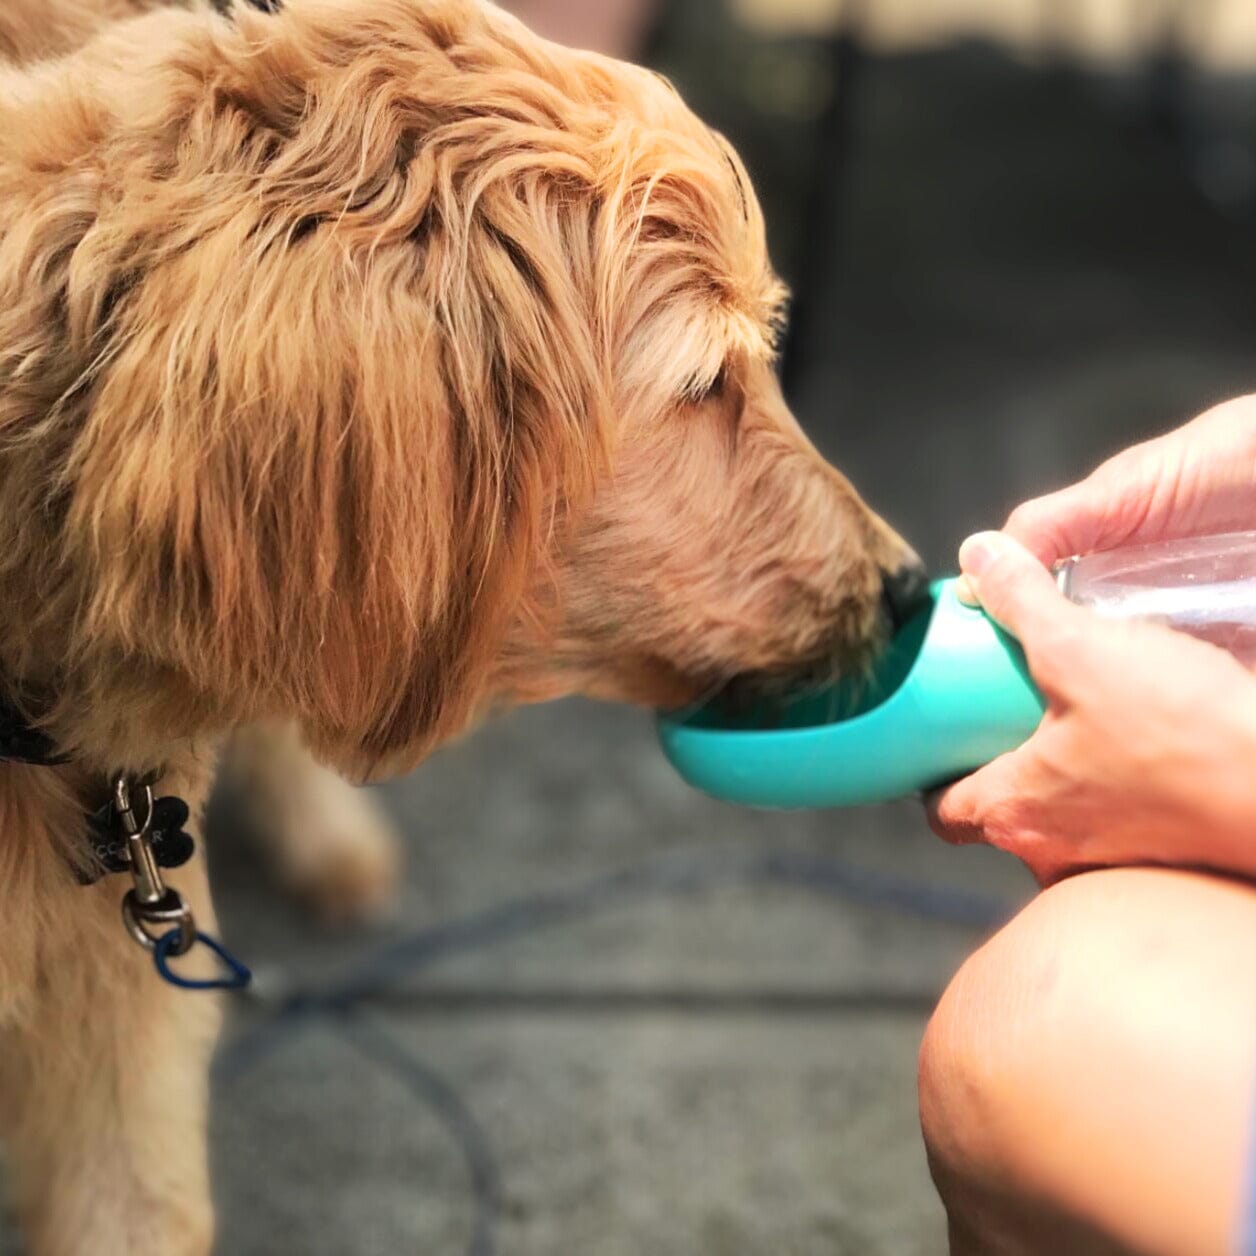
x=365 y=366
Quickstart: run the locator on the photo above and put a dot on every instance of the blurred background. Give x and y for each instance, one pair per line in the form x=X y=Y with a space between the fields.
x=614 y=1018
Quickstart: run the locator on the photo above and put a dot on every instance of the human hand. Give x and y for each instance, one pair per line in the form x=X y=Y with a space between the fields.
x=1195 y=481
x=1144 y=754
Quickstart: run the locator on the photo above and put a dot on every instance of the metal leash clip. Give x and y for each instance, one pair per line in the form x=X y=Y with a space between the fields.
x=151 y=909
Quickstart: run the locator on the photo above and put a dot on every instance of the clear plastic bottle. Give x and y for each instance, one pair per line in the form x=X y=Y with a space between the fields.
x=1205 y=586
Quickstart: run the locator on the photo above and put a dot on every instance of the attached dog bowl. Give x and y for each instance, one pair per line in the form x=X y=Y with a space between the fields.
x=951 y=693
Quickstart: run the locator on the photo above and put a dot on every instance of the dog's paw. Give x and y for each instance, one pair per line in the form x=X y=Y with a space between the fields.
x=345 y=865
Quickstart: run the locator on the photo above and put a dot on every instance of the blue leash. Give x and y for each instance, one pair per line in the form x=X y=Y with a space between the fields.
x=236 y=975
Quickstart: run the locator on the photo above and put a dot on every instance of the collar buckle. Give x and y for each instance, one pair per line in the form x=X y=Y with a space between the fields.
x=151 y=908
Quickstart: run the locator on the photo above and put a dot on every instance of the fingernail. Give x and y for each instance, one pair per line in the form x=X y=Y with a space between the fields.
x=964 y=591
x=976 y=553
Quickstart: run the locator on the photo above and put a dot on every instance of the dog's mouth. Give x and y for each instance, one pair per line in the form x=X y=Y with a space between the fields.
x=841 y=680
x=839 y=673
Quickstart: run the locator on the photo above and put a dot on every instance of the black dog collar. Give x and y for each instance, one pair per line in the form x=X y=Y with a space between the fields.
x=136 y=833
x=20 y=743
x=172 y=844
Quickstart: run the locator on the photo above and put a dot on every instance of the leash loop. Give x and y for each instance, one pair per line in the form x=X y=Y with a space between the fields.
x=142 y=920
x=236 y=975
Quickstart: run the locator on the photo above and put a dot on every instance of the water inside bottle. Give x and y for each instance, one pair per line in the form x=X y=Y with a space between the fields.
x=1204 y=586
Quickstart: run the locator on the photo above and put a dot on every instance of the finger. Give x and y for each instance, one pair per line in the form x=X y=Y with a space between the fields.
x=1074 y=520
x=1019 y=593
x=951 y=815
x=1013 y=586
x=960 y=813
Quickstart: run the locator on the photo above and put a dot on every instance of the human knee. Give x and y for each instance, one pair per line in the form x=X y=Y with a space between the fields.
x=1011 y=1020
x=1042 y=1102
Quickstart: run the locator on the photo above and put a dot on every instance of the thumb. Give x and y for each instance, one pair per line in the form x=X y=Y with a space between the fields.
x=1020 y=594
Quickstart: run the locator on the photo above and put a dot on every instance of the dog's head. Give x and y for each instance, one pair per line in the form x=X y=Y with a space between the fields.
x=398 y=362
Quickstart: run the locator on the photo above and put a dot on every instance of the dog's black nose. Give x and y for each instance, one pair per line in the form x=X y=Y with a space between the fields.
x=905 y=590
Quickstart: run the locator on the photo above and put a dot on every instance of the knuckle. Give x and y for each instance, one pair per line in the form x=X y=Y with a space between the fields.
x=1002 y=803
x=1036 y=523
x=1043 y=524
x=1025 y=518
x=1002 y=827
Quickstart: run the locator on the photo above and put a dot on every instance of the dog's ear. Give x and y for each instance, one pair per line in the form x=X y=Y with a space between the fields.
x=325 y=386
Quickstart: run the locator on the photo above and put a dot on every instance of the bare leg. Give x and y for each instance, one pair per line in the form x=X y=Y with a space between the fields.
x=1087 y=1082
x=103 y=1083
x=329 y=842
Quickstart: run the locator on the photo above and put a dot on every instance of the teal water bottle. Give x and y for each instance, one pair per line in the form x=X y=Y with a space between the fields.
x=952 y=691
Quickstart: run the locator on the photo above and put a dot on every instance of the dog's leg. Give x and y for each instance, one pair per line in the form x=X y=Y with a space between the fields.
x=329 y=842
x=103 y=1085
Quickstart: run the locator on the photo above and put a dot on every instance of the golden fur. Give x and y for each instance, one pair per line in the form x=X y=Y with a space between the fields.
x=366 y=366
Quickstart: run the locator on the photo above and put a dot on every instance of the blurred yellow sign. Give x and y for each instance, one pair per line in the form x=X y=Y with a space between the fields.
x=1217 y=33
